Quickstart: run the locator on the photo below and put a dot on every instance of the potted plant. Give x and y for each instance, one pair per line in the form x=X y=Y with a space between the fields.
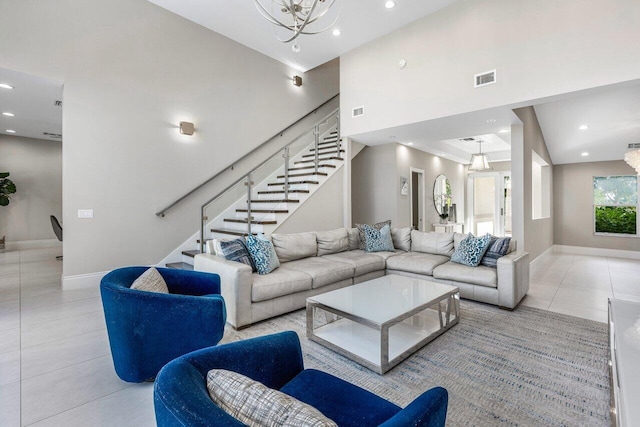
x=443 y=218
x=7 y=188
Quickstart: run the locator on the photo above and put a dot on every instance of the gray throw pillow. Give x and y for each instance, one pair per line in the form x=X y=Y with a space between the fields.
x=255 y=404
x=151 y=281
x=379 y=225
x=236 y=250
x=498 y=247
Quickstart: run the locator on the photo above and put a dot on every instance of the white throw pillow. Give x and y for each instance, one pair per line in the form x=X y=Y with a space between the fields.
x=255 y=404
x=150 y=281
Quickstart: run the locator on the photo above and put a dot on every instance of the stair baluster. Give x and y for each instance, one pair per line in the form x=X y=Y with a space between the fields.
x=286 y=173
x=316 y=135
x=249 y=204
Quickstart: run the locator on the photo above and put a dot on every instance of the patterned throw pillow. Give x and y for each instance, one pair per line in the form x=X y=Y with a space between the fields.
x=262 y=253
x=151 y=281
x=471 y=249
x=236 y=250
x=378 y=240
x=498 y=247
x=378 y=226
x=255 y=404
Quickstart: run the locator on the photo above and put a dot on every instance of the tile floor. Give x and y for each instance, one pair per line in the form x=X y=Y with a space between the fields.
x=55 y=365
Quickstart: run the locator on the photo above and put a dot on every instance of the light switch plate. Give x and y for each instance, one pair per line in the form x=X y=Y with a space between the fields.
x=85 y=213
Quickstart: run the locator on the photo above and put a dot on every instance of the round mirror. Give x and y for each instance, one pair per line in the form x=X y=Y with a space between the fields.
x=442 y=195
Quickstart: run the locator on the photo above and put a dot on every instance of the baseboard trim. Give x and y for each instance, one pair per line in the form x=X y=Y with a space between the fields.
x=580 y=250
x=82 y=281
x=30 y=244
x=533 y=264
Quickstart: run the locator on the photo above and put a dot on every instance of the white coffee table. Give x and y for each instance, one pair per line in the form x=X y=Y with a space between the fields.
x=381 y=322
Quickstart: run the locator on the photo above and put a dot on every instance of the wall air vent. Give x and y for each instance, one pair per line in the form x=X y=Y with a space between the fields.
x=57 y=103
x=357 y=112
x=634 y=146
x=484 y=79
x=52 y=135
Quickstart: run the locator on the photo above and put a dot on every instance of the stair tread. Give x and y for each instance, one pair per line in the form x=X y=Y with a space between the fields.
x=191 y=254
x=312 y=160
x=331 y=150
x=244 y=221
x=281 y=192
x=309 y=167
x=180 y=266
x=305 y=174
x=275 y=201
x=322 y=154
x=294 y=182
x=282 y=211
x=231 y=232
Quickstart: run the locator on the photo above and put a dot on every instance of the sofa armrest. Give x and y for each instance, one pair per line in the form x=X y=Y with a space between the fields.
x=513 y=278
x=235 y=284
x=427 y=410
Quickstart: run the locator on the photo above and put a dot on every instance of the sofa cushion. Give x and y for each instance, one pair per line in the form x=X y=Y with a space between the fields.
x=416 y=262
x=323 y=271
x=150 y=281
x=362 y=262
x=332 y=242
x=236 y=250
x=481 y=275
x=354 y=239
x=281 y=282
x=457 y=238
x=498 y=247
x=346 y=404
x=471 y=250
x=378 y=225
x=290 y=247
x=262 y=254
x=401 y=238
x=377 y=240
x=432 y=243
x=384 y=255
x=253 y=403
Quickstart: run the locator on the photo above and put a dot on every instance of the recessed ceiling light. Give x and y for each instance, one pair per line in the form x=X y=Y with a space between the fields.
x=390 y=4
x=336 y=32
x=491 y=121
x=409 y=143
x=8 y=114
x=504 y=131
x=584 y=154
x=5 y=86
x=583 y=127
x=10 y=131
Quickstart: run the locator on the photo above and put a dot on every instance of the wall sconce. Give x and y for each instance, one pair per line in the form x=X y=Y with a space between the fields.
x=186 y=128
x=297 y=81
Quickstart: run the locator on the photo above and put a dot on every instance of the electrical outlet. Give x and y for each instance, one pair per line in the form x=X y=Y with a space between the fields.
x=85 y=213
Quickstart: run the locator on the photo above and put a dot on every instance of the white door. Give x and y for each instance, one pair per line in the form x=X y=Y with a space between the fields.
x=489 y=196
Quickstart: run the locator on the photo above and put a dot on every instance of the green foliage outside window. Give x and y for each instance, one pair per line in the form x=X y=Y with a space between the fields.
x=615 y=200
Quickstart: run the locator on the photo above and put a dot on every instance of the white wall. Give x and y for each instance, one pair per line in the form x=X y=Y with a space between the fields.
x=36 y=169
x=539 y=48
x=131 y=72
x=573 y=205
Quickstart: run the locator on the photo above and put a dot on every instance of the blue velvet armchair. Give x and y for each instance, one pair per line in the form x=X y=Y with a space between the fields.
x=181 y=397
x=148 y=329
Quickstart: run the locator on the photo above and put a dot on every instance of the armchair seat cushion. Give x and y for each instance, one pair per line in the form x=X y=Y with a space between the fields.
x=481 y=275
x=416 y=262
x=283 y=281
x=323 y=271
x=362 y=262
x=343 y=402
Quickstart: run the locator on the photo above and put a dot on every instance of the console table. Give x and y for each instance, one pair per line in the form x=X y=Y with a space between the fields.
x=624 y=370
x=449 y=227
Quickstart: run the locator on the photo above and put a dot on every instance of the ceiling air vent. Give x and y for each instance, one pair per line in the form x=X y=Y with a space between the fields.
x=467 y=139
x=57 y=103
x=634 y=146
x=52 y=135
x=484 y=79
x=357 y=112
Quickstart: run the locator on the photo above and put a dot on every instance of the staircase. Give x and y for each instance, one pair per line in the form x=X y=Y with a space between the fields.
x=263 y=207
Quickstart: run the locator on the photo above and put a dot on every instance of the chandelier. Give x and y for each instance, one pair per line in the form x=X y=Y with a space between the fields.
x=633 y=159
x=479 y=161
x=296 y=16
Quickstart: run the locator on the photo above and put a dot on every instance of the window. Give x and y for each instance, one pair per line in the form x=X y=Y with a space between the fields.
x=615 y=203
x=540 y=187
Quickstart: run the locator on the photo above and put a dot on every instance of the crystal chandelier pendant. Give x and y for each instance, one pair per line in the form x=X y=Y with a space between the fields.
x=633 y=159
x=296 y=16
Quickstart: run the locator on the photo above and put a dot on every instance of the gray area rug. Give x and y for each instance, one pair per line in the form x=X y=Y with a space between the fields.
x=528 y=367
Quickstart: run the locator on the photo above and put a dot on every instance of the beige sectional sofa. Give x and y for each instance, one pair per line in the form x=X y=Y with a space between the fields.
x=318 y=262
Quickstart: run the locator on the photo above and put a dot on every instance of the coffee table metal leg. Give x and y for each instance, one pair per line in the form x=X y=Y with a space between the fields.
x=384 y=349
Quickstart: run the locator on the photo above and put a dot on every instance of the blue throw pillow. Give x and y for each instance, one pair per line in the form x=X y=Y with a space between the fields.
x=236 y=250
x=471 y=249
x=378 y=240
x=498 y=247
x=263 y=254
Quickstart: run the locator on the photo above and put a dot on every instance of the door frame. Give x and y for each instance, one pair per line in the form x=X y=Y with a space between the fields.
x=499 y=200
x=421 y=194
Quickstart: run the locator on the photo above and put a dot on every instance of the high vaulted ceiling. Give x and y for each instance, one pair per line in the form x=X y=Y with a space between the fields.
x=359 y=21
